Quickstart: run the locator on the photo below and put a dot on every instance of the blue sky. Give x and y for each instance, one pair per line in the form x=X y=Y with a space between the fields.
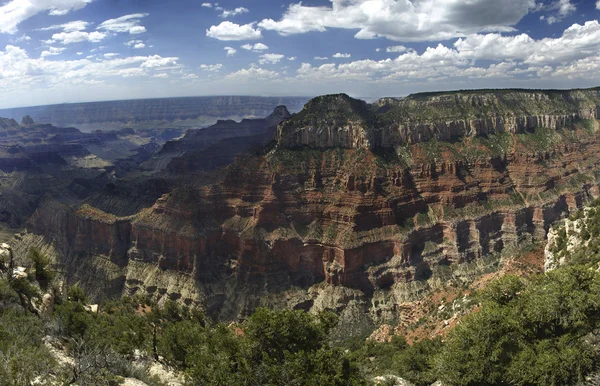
x=55 y=51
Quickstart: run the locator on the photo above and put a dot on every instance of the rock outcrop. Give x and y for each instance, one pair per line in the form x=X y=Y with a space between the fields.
x=145 y=113
x=41 y=159
x=217 y=145
x=332 y=218
x=341 y=121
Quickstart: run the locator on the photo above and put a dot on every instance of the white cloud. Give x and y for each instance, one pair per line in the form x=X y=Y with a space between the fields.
x=52 y=51
x=161 y=75
x=395 y=49
x=158 y=61
x=598 y=4
x=206 y=5
x=340 y=55
x=77 y=25
x=321 y=58
x=211 y=67
x=558 y=10
x=253 y=73
x=256 y=47
x=58 y=12
x=574 y=55
x=270 y=58
x=78 y=36
x=74 y=32
x=577 y=41
x=110 y=54
x=230 y=51
x=128 y=23
x=79 y=53
x=292 y=58
x=16 y=67
x=23 y=38
x=231 y=31
x=137 y=44
x=234 y=12
x=403 y=20
x=13 y=12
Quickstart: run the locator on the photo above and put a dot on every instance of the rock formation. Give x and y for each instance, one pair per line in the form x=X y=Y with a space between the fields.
x=340 y=121
x=41 y=159
x=146 y=113
x=216 y=145
x=357 y=208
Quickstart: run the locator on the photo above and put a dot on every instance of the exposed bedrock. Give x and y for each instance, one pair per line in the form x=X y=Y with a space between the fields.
x=317 y=226
x=340 y=121
x=339 y=218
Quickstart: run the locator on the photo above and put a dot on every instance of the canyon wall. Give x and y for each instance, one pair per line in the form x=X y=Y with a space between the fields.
x=339 y=121
x=154 y=111
x=337 y=221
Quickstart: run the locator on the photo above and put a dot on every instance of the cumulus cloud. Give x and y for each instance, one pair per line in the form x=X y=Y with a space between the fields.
x=230 y=51
x=557 y=10
x=234 y=12
x=403 y=20
x=321 y=58
x=136 y=44
x=253 y=73
x=576 y=42
x=232 y=31
x=51 y=51
x=17 y=68
x=292 y=58
x=206 y=5
x=78 y=36
x=14 y=12
x=270 y=58
x=110 y=54
x=340 y=55
x=574 y=55
x=158 y=61
x=598 y=4
x=396 y=49
x=128 y=23
x=255 y=47
x=211 y=67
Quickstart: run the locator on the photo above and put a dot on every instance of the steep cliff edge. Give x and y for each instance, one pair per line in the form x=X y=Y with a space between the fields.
x=216 y=145
x=341 y=121
x=330 y=218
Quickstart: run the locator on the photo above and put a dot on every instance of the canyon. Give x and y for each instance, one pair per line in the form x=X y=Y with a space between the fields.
x=146 y=114
x=352 y=207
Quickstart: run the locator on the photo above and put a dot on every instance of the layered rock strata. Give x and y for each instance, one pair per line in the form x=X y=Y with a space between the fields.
x=332 y=218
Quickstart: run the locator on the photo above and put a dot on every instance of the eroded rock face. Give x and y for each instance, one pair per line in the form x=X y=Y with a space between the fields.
x=146 y=113
x=357 y=229
x=217 y=145
x=340 y=121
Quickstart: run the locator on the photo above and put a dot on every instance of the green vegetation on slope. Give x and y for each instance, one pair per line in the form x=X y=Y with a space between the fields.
x=537 y=331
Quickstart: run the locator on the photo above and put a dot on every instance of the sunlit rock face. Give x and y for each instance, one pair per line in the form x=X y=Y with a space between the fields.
x=355 y=208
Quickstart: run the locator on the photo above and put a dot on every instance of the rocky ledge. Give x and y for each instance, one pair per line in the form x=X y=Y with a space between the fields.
x=343 y=224
x=341 y=121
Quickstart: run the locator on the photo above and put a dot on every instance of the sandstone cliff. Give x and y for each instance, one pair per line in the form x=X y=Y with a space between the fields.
x=332 y=217
x=341 y=121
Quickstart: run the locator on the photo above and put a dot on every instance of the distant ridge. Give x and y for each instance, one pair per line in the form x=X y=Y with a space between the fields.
x=141 y=113
x=480 y=91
